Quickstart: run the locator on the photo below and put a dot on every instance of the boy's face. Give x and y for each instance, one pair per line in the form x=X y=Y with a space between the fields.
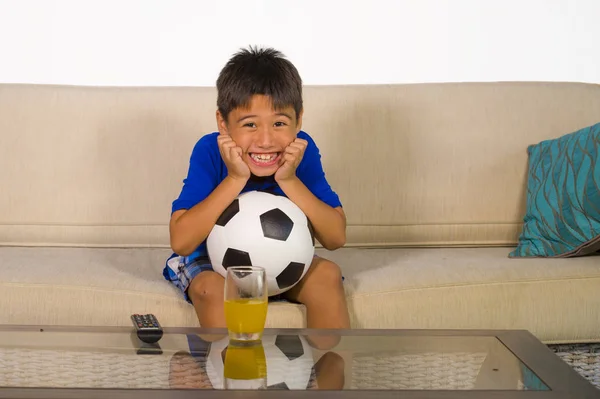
x=262 y=133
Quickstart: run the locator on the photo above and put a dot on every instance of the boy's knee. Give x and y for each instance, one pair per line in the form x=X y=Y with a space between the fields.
x=207 y=287
x=333 y=361
x=324 y=342
x=329 y=272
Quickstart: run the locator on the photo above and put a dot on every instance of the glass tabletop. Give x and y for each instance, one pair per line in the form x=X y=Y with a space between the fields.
x=286 y=359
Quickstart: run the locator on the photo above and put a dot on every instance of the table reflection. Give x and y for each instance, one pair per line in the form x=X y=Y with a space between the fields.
x=277 y=362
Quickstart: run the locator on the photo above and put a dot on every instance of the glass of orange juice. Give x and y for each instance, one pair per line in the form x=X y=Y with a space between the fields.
x=246 y=302
x=245 y=366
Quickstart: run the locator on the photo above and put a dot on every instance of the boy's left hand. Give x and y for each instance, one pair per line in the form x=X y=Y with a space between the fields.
x=290 y=159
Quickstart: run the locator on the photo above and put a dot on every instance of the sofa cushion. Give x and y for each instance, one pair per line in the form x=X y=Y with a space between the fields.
x=563 y=197
x=558 y=300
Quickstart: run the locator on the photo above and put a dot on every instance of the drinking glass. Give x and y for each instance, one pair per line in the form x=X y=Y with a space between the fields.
x=245 y=366
x=246 y=302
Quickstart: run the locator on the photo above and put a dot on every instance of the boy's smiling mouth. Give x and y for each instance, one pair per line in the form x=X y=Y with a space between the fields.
x=264 y=158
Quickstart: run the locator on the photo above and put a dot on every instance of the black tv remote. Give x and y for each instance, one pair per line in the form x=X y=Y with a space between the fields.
x=147 y=328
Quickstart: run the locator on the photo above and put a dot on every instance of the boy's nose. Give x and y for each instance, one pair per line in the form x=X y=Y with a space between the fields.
x=264 y=138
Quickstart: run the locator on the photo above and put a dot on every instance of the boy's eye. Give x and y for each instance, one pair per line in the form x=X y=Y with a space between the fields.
x=250 y=124
x=279 y=124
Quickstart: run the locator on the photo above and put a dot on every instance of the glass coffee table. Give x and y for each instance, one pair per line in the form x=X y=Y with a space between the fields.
x=81 y=362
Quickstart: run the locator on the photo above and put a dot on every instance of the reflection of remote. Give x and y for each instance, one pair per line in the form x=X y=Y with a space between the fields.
x=147 y=328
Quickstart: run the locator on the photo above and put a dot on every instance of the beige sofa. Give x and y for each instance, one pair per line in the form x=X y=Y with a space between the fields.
x=432 y=177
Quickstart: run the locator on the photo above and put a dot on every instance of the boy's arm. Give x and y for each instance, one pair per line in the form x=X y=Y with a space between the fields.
x=189 y=228
x=328 y=222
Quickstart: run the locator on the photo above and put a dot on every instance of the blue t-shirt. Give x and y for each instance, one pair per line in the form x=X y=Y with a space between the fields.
x=207 y=170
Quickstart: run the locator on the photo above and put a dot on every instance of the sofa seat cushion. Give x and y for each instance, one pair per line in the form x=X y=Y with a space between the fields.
x=558 y=300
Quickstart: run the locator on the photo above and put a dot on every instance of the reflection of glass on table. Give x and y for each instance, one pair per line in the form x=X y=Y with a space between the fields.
x=244 y=366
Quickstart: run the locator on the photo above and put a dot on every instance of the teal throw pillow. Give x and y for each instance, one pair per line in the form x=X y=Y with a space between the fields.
x=562 y=218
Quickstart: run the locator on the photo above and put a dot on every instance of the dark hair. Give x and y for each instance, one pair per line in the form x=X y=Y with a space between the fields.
x=258 y=71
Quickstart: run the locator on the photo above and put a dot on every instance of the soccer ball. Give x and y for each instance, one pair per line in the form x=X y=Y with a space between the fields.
x=266 y=230
x=290 y=363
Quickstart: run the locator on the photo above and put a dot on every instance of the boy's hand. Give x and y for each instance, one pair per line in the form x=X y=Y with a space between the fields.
x=291 y=158
x=232 y=156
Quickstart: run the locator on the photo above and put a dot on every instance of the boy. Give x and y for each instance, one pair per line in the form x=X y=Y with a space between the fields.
x=259 y=146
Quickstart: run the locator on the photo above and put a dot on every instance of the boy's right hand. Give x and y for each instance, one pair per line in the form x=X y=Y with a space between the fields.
x=232 y=156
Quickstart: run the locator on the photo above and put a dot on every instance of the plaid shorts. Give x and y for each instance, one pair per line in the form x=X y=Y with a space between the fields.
x=181 y=274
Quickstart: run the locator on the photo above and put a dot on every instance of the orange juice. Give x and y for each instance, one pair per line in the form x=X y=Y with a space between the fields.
x=246 y=316
x=245 y=362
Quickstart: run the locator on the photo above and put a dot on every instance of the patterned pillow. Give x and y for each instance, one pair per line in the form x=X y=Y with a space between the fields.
x=563 y=197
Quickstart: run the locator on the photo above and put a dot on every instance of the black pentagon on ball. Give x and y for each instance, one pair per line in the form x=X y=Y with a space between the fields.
x=290 y=346
x=276 y=224
x=281 y=386
x=224 y=353
x=290 y=275
x=235 y=257
x=228 y=213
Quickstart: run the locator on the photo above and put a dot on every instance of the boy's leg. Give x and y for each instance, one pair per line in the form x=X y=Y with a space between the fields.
x=186 y=373
x=330 y=372
x=322 y=292
x=206 y=291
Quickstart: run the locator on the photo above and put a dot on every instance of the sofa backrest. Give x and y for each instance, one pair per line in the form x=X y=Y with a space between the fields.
x=414 y=165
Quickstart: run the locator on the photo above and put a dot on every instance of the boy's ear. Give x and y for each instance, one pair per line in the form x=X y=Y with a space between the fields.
x=221 y=123
x=299 y=121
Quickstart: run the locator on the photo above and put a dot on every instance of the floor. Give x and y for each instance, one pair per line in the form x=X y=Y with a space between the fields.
x=584 y=358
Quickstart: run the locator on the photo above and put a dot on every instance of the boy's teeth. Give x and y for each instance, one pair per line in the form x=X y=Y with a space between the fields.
x=263 y=157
